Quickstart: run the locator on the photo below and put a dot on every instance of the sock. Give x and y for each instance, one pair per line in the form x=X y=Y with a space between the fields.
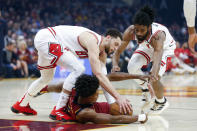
x=25 y=99
x=63 y=99
x=160 y=100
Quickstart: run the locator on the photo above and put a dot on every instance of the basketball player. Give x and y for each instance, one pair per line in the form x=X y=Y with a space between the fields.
x=189 y=8
x=116 y=76
x=155 y=44
x=82 y=105
x=61 y=45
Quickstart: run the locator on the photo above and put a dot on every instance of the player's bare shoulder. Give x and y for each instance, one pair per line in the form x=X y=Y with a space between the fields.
x=158 y=38
x=129 y=33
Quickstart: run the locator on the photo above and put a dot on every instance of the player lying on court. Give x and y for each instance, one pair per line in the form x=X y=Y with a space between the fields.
x=82 y=105
x=116 y=76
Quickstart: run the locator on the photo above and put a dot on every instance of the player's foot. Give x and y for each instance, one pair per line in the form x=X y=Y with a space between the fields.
x=60 y=115
x=26 y=110
x=43 y=91
x=158 y=107
x=146 y=100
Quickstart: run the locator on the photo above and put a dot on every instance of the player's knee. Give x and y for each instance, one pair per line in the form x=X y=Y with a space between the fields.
x=132 y=68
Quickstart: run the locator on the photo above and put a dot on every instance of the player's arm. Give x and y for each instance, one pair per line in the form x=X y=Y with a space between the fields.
x=89 y=115
x=119 y=76
x=89 y=41
x=157 y=43
x=127 y=37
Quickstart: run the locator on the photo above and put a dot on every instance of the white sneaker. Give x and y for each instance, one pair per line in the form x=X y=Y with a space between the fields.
x=146 y=100
x=146 y=97
x=158 y=108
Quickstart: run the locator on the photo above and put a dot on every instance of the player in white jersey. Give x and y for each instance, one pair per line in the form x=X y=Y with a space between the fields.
x=189 y=8
x=59 y=46
x=156 y=45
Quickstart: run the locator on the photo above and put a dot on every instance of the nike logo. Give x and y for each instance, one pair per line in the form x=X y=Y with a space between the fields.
x=170 y=45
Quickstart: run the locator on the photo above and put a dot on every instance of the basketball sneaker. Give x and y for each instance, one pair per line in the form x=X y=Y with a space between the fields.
x=146 y=97
x=43 y=91
x=60 y=115
x=26 y=110
x=158 y=107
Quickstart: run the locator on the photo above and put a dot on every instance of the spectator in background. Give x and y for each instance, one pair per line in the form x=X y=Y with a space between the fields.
x=11 y=62
x=26 y=57
x=3 y=32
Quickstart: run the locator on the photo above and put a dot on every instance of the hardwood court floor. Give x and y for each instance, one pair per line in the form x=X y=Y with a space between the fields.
x=181 y=92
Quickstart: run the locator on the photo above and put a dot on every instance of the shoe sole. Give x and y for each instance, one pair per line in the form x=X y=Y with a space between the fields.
x=16 y=111
x=159 y=112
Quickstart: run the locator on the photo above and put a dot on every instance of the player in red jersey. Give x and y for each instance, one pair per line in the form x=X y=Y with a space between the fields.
x=118 y=76
x=82 y=105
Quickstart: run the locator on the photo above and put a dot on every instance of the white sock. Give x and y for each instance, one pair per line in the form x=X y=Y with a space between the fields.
x=25 y=99
x=161 y=100
x=63 y=99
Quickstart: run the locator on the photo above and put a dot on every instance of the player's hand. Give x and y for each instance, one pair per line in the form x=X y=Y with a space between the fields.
x=125 y=106
x=153 y=77
x=144 y=78
x=115 y=69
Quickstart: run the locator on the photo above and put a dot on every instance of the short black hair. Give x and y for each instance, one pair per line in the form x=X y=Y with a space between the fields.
x=86 y=85
x=114 y=33
x=145 y=16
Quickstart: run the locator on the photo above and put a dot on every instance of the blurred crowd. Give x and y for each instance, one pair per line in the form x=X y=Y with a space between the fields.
x=24 y=18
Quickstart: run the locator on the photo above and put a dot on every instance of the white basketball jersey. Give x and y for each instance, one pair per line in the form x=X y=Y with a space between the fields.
x=169 y=42
x=68 y=36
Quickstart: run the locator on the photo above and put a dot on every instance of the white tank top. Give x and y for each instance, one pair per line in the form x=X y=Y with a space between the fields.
x=68 y=36
x=169 y=42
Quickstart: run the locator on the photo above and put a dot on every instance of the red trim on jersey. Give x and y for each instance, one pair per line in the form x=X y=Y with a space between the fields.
x=81 y=44
x=45 y=67
x=53 y=30
x=172 y=41
x=94 y=36
x=162 y=63
x=154 y=35
x=144 y=54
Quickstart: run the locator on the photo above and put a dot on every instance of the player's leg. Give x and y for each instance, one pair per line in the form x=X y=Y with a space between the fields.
x=70 y=62
x=137 y=61
x=161 y=102
x=46 y=69
x=22 y=106
x=189 y=8
x=57 y=88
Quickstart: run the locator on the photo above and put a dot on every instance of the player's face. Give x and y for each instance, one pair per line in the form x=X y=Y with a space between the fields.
x=113 y=45
x=141 y=32
x=94 y=97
